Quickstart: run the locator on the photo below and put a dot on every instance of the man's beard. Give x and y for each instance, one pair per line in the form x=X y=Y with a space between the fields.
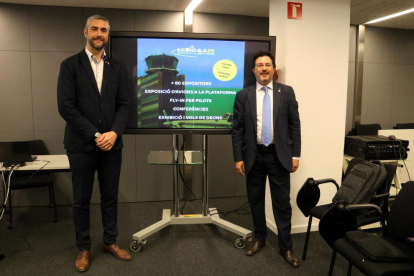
x=92 y=43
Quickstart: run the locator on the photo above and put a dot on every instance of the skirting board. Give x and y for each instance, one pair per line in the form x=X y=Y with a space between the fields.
x=295 y=229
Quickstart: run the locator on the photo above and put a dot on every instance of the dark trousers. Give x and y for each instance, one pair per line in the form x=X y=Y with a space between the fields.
x=267 y=164
x=84 y=166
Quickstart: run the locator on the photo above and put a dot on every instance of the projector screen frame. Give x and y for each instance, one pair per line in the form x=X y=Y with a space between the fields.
x=176 y=35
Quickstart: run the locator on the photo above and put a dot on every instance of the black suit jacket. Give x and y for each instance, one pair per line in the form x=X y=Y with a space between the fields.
x=286 y=126
x=85 y=110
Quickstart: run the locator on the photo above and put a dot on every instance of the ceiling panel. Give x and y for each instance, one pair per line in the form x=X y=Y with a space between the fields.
x=361 y=10
x=168 y=5
x=366 y=10
x=401 y=22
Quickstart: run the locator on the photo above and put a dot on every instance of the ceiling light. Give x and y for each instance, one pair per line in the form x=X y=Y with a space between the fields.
x=390 y=16
x=189 y=11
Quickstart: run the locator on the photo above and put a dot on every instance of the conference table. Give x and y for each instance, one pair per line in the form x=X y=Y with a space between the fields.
x=52 y=163
x=49 y=163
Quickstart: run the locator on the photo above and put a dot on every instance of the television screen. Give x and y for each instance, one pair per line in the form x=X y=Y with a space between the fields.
x=185 y=83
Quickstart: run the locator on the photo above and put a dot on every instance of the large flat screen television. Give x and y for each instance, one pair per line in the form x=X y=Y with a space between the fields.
x=185 y=82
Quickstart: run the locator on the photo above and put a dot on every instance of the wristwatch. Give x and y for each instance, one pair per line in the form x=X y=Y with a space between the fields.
x=97 y=134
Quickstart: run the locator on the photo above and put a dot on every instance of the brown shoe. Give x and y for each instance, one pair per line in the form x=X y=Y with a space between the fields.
x=255 y=247
x=82 y=262
x=117 y=252
x=290 y=258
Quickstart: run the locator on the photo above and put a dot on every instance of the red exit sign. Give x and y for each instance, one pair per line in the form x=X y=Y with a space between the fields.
x=294 y=10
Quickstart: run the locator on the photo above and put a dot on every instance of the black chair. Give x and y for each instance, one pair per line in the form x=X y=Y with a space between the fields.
x=309 y=195
x=404 y=126
x=399 y=232
x=368 y=129
x=27 y=180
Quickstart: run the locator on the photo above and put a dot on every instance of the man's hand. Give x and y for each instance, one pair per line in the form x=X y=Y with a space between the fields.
x=240 y=167
x=99 y=137
x=106 y=140
x=295 y=165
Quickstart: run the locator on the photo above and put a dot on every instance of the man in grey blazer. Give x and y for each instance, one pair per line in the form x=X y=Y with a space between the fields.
x=267 y=143
x=94 y=101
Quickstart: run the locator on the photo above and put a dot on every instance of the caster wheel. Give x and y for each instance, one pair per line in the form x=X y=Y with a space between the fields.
x=135 y=246
x=240 y=243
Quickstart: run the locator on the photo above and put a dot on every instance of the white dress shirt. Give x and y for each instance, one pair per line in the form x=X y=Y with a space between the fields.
x=97 y=67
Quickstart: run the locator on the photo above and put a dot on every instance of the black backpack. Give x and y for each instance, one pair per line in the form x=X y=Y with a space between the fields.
x=362 y=182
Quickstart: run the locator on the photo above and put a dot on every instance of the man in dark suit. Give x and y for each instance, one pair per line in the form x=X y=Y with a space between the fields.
x=267 y=142
x=94 y=101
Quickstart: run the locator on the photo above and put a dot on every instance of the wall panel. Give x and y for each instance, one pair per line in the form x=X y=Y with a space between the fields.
x=377 y=94
x=402 y=110
x=158 y=21
x=119 y=19
x=230 y=24
x=221 y=166
x=154 y=182
x=14 y=27
x=15 y=91
x=380 y=45
x=404 y=48
x=55 y=29
x=128 y=180
x=45 y=68
x=53 y=140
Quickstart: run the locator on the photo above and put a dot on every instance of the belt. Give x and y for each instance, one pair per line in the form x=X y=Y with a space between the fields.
x=261 y=147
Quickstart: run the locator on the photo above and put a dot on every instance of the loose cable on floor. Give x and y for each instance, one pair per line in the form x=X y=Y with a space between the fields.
x=240 y=211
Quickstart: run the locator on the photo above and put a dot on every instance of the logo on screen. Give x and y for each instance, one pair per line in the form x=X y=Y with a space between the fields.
x=192 y=52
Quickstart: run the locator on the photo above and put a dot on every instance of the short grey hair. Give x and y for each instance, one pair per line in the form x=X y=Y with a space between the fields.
x=99 y=17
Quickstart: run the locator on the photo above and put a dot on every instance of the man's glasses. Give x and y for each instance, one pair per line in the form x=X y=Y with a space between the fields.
x=261 y=66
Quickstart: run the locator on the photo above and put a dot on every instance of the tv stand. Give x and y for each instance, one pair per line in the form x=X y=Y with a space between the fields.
x=176 y=158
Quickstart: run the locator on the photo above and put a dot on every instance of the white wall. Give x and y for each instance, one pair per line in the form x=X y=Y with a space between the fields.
x=312 y=55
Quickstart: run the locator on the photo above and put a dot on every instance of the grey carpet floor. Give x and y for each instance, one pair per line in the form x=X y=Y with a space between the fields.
x=38 y=246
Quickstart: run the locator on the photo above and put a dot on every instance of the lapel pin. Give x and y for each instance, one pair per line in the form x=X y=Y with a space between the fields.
x=278 y=90
x=107 y=62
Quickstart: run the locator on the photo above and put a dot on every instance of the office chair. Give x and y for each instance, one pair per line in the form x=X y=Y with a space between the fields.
x=404 y=126
x=371 y=257
x=309 y=195
x=370 y=129
x=24 y=180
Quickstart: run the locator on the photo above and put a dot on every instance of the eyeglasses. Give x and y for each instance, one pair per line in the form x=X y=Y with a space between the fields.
x=267 y=65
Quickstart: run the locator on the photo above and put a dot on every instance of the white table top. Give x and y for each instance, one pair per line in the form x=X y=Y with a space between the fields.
x=348 y=158
x=57 y=162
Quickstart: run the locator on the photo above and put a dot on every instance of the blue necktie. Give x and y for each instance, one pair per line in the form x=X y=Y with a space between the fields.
x=266 y=119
